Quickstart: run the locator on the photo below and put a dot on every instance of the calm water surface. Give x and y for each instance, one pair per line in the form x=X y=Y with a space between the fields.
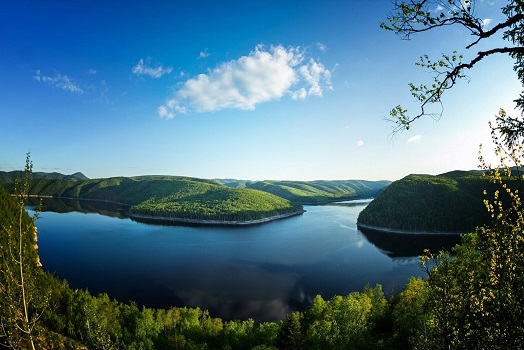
x=262 y=272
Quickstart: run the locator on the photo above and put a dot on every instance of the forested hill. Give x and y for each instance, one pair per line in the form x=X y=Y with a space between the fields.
x=10 y=176
x=315 y=192
x=191 y=199
x=171 y=197
x=450 y=202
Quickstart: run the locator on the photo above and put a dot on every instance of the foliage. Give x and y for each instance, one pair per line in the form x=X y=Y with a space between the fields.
x=350 y=322
x=355 y=321
x=476 y=300
x=418 y=16
x=409 y=314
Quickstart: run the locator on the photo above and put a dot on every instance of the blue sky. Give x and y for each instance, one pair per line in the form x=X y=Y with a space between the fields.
x=294 y=90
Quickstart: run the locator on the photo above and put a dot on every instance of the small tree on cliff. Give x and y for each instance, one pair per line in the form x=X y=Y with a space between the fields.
x=21 y=301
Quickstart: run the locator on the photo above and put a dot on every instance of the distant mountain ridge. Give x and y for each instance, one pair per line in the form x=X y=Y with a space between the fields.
x=314 y=192
x=10 y=176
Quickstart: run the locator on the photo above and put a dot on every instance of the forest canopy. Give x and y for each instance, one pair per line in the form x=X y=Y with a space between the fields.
x=450 y=202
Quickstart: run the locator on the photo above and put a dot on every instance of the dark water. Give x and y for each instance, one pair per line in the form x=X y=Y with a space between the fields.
x=261 y=272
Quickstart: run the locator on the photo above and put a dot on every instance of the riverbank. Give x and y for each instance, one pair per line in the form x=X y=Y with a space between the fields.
x=164 y=220
x=406 y=232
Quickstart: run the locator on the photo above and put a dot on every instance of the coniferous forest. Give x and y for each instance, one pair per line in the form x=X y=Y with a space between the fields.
x=450 y=202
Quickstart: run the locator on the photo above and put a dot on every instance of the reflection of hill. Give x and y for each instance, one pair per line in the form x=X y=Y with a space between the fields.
x=60 y=205
x=397 y=245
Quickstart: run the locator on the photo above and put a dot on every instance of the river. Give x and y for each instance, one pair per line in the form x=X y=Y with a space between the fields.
x=261 y=272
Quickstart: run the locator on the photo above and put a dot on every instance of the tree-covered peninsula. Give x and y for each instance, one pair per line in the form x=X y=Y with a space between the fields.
x=450 y=202
x=216 y=204
x=172 y=198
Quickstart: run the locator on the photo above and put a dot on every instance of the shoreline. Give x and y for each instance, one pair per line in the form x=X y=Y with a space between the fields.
x=202 y=222
x=406 y=232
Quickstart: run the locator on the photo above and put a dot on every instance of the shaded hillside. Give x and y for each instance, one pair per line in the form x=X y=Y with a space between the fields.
x=450 y=202
x=322 y=191
x=170 y=196
x=10 y=176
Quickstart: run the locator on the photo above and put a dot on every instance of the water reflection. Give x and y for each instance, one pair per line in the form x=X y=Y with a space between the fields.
x=262 y=272
x=65 y=205
x=397 y=245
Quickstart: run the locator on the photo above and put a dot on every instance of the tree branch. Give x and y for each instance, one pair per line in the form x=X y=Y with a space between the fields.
x=449 y=81
x=511 y=21
x=404 y=22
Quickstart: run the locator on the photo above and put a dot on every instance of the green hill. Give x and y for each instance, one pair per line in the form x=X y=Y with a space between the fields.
x=217 y=202
x=450 y=202
x=170 y=196
x=322 y=191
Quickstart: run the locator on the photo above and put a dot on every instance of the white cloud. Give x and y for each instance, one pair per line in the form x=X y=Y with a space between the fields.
x=314 y=73
x=439 y=8
x=486 y=22
x=203 y=54
x=415 y=138
x=360 y=143
x=321 y=47
x=59 y=81
x=163 y=112
x=263 y=75
x=92 y=71
x=300 y=94
x=143 y=68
